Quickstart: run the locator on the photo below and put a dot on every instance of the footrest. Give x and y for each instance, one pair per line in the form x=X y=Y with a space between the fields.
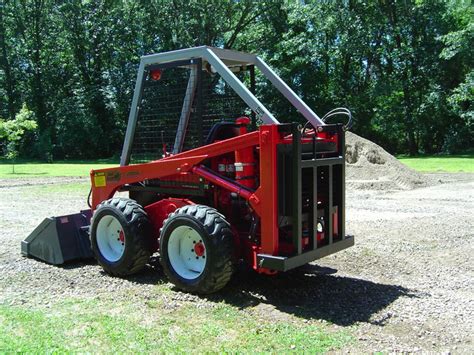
x=284 y=263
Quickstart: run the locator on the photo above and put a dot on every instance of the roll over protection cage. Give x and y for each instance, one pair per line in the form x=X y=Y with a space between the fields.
x=220 y=60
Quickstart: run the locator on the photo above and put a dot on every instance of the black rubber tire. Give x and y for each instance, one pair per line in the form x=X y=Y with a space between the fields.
x=138 y=232
x=218 y=238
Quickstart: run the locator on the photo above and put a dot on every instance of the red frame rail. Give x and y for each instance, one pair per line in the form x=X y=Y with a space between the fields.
x=264 y=256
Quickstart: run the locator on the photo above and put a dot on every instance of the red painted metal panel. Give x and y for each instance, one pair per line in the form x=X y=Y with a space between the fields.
x=159 y=211
x=112 y=179
x=265 y=200
x=221 y=147
x=216 y=179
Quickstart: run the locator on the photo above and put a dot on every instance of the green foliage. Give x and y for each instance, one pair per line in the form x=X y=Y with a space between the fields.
x=12 y=131
x=461 y=104
x=402 y=67
x=383 y=60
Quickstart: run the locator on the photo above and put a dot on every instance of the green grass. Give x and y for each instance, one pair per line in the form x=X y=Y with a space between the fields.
x=454 y=163
x=450 y=164
x=65 y=168
x=106 y=326
x=66 y=189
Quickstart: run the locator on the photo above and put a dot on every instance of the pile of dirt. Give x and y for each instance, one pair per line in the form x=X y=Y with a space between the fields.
x=369 y=166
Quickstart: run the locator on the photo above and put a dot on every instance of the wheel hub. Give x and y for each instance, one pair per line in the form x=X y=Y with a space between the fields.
x=187 y=252
x=110 y=238
x=121 y=237
x=199 y=249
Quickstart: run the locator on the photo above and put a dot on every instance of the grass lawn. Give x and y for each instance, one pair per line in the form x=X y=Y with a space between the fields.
x=450 y=164
x=454 y=163
x=96 y=326
x=66 y=168
x=66 y=189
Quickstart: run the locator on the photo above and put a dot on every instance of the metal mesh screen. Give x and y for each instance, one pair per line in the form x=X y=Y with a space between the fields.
x=219 y=104
x=159 y=113
x=161 y=107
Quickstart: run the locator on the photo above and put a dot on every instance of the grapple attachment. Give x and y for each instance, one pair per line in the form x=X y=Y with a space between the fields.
x=60 y=239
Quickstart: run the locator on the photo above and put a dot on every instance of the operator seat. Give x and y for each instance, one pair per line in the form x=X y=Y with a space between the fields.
x=221 y=131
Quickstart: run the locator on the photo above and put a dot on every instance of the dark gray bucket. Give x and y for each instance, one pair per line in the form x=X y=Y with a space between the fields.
x=60 y=239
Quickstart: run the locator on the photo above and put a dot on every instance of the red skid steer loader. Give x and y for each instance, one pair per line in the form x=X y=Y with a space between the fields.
x=211 y=178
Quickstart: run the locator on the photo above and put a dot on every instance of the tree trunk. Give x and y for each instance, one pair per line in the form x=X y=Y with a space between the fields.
x=38 y=91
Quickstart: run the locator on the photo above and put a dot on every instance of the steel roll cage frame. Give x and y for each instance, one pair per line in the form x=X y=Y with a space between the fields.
x=220 y=60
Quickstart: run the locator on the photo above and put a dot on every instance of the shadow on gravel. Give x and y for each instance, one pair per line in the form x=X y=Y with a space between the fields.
x=74 y=264
x=309 y=292
x=151 y=275
x=312 y=292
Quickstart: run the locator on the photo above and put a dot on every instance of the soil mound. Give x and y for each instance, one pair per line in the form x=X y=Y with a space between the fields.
x=369 y=166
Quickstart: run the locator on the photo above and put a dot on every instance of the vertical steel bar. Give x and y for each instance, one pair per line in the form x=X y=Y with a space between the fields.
x=342 y=207
x=330 y=203
x=199 y=105
x=185 y=110
x=296 y=198
x=133 y=116
x=252 y=90
x=314 y=231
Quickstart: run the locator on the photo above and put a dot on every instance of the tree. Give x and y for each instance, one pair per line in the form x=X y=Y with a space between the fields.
x=458 y=55
x=12 y=131
x=402 y=67
x=6 y=66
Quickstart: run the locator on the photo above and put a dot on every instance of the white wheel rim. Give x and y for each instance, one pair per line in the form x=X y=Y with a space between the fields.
x=187 y=252
x=110 y=238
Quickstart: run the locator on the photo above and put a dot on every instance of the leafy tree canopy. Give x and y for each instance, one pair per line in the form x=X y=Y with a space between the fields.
x=403 y=67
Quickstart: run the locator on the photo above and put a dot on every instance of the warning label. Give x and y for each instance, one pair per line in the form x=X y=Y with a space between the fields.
x=99 y=180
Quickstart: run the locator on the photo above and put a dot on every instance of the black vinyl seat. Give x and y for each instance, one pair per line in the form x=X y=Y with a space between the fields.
x=221 y=131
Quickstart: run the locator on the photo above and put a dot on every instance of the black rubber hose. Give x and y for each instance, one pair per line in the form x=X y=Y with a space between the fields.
x=334 y=112
x=89 y=198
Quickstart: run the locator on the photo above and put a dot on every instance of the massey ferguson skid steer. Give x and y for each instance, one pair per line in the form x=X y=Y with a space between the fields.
x=212 y=178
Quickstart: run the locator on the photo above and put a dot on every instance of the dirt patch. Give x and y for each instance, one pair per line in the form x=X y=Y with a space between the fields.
x=369 y=166
x=19 y=182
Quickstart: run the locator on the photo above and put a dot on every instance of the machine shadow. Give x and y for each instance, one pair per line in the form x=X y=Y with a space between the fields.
x=309 y=292
x=313 y=292
x=73 y=264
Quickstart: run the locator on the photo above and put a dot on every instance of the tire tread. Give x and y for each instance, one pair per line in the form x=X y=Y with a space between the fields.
x=138 y=222
x=221 y=235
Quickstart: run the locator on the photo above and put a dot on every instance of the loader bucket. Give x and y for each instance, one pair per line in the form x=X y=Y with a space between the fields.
x=60 y=239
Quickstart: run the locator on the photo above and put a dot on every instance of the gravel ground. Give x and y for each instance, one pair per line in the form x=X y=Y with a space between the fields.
x=406 y=286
